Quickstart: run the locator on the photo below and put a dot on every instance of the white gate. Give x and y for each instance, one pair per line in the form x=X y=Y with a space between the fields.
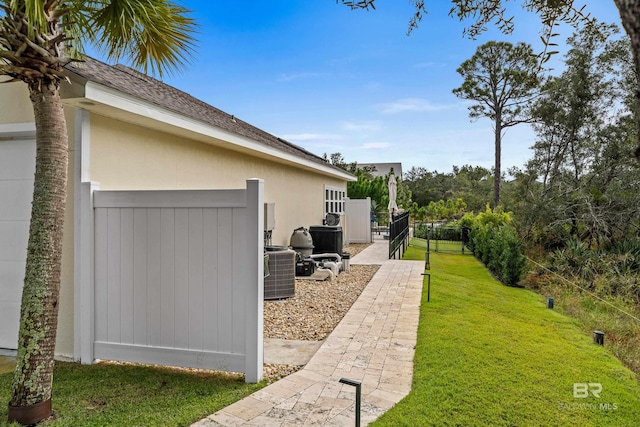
x=179 y=278
x=358 y=212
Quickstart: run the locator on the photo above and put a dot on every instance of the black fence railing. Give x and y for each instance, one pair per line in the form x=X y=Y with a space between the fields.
x=398 y=234
x=442 y=238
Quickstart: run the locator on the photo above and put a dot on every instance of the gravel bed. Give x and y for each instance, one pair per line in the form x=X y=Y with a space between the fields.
x=273 y=373
x=317 y=307
x=355 y=248
x=315 y=310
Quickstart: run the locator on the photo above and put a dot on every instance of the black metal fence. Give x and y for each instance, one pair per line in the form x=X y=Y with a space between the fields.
x=447 y=239
x=398 y=234
x=441 y=238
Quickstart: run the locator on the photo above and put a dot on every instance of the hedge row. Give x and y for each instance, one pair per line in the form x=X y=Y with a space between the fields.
x=495 y=242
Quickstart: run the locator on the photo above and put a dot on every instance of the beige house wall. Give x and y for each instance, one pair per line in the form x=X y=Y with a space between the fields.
x=15 y=106
x=65 y=337
x=127 y=156
x=130 y=157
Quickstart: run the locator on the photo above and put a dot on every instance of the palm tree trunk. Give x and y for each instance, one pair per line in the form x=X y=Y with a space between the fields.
x=33 y=377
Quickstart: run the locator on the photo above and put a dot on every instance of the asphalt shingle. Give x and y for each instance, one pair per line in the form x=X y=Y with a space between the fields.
x=139 y=85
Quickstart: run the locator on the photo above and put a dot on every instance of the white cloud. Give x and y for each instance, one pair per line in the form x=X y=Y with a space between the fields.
x=411 y=104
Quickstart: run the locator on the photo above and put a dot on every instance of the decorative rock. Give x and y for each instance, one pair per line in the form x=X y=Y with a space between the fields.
x=315 y=310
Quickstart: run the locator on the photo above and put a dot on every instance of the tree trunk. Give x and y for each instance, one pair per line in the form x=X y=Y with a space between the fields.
x=630 y=17
x=33 y=377
x=497 y=173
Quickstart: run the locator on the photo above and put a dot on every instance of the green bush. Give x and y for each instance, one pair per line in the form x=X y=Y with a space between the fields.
x=609 y=271
x=421 y=230
x=451 y=233
x=512 y=260
x=495 y=242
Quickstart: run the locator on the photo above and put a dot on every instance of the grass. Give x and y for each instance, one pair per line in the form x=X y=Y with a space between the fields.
x=617 y=317
x=128 y=395
x=487 y=355
x=492 y=355
x=438 y=246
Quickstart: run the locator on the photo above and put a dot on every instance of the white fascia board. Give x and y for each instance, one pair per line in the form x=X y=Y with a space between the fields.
x=18 y=130
x=101 y=94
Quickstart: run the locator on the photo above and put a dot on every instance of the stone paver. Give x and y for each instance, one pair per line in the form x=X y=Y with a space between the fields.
x=374 y=343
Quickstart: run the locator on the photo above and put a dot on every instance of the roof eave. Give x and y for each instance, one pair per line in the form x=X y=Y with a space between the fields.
x=112 y=103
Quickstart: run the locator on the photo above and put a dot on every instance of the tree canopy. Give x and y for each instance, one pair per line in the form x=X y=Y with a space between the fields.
x=586 y=183
x=500 y=79
x=482 y=13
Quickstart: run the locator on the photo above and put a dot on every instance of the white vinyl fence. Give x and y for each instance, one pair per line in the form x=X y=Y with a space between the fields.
x=179 y=278
x=358 y=213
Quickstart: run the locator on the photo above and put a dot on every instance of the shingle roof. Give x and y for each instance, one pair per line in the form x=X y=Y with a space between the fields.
x=134 y=83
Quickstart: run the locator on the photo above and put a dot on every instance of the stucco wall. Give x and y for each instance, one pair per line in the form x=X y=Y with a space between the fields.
x=15 y=106
x=127 y=156
x=65 y=341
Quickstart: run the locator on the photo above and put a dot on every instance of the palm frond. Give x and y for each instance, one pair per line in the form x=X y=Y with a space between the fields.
x=34 y=13
x=156 y=36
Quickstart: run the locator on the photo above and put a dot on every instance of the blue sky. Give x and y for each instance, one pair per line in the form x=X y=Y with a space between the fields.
x=334 y=80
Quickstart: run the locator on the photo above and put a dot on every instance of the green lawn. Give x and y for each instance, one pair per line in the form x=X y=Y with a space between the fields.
x=487 y=355
x=492 y=355
x=127 y=395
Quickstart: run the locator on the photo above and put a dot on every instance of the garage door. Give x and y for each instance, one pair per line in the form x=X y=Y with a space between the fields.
x=17 y=166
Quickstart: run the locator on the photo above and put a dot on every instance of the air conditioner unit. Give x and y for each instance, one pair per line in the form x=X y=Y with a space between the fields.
x=281 y=282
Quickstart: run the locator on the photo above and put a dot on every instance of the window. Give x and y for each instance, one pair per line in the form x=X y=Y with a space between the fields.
x=334 y=198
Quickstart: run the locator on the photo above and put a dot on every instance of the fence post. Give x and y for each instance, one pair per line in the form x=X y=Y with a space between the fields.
x=84 y=273
x=254 y=292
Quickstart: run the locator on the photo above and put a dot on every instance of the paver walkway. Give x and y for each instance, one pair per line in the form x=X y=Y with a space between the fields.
x=374 y=343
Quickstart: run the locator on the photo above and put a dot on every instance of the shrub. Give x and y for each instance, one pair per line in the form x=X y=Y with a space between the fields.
x=628 y=252
x=495 y=242
x=608 y=272
x=512 y=260
x=421 y=230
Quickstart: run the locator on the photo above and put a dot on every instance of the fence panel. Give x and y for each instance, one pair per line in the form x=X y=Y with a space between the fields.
x=398 y=234
x=358 y=212
x=441 y=238
x=178 y=278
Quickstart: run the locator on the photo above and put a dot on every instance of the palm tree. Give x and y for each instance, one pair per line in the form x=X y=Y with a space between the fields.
x=37 y=39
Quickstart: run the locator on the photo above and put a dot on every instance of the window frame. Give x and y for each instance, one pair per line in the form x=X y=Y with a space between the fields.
x=334 y=199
